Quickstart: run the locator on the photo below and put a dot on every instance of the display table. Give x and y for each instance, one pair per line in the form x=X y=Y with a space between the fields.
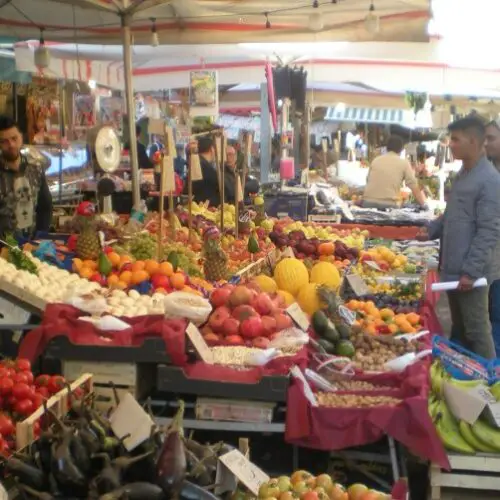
x=385 y=232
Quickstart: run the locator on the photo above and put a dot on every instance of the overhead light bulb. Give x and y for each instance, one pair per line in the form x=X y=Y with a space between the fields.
x=92 y=84
x=42 y=53
x=155 y=41
x=316 y=21
x=372 y=21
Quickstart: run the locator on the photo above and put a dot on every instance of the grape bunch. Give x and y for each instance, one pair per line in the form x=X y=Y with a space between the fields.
x=143 y=246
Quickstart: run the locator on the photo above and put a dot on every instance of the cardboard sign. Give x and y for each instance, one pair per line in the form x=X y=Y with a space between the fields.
x=372 y=264
x=130 y=418
x=246 y=472
x=199 y=344
x=271 y=259
x=298 y=315
x=156 y=126
x=167 y=175
x=357 y=284
x=196 y=173
x=468 y=404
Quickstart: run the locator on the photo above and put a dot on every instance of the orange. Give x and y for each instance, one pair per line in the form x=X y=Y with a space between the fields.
x=114 y=258
x=353 y=305
x=413 y=318
x=369 y=305
x=370 y=329
x=357 y=491
x=178 y=281
x=151 y=266
x=124 y=259
x=166 y=269
x=399 y=318
x=86 y=272
x=379 y=322
x=393 y=328
x=139 y=276
x=386 y=313
x=77 y=264
x=126 y=277
x=92 y=264
x=138 y=265
x=113 y=280
x=121 y=285
x=374 y=312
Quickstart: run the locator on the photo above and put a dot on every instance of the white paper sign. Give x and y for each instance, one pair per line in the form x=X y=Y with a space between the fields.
x=199 y=344
x=297 y=314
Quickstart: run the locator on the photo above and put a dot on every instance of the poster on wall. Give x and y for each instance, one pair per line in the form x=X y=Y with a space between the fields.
x=111 y=110
x=84 y=116
x=42 y=112
x=203 y=93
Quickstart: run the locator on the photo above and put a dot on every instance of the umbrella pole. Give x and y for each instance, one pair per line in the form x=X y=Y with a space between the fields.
x=129 y=96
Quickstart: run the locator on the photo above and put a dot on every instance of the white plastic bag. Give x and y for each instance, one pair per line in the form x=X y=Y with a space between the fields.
x=186 y=305
x=289 y=339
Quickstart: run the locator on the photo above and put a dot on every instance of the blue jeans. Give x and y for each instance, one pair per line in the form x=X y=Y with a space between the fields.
x=495 y=314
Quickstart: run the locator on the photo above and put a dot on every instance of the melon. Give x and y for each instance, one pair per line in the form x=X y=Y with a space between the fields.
x=291 y=275
x=325 y=273
x=287 y=297
x=265 y=283
x=308 y=299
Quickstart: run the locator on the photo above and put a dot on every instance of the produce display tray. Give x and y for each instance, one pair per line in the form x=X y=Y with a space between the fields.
x=173 y=379
x=22 y=297
x=152 y=350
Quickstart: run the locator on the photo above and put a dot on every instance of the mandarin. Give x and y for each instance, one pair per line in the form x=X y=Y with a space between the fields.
x=114 y=258
x=77 y=264
x=126 y=277
x=139 y=276
x=151 y=266
x=138 y=265
x=166 y=268
x=92 y=264
x=86 y=272
x=178 y=281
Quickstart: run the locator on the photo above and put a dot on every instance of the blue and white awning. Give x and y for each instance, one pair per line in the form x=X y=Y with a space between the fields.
x=387 y=116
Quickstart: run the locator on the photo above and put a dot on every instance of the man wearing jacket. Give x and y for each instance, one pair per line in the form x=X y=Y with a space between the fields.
x=25 y=199
x=470 y=236
x=207 y=189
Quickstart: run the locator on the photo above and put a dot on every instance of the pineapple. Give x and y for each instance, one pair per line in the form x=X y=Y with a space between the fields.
x=215 y=263
x=88 y=245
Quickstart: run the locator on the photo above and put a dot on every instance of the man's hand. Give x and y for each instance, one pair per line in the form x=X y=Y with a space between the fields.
x=423 y=234
x=465 y=283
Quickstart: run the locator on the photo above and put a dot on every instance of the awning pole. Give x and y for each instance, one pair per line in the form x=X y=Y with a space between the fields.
x=129 y=96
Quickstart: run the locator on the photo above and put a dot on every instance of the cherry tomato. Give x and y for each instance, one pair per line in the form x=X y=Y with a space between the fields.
x=23 y=365
x=10 y=372
x=4 y=447
x=20 y=377
x=56 y=383
x=30 y=377
x=6 y=426
x=37 y=400
x=43 y=391
x=21 y=391
x=24 y=407
x=42 y=380
x=6 y=385
x=10 y=402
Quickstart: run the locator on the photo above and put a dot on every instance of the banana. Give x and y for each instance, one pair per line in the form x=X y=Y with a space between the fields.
x=486 y=434
x=495 y=390
x=468 y=435
x=453 y=440
x=437 y=377
x=466 y=384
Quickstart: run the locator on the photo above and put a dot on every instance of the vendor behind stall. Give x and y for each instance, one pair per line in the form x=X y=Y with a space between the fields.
x=25 y=199
x=251 y=184
x=386 y=176
x=207 y=189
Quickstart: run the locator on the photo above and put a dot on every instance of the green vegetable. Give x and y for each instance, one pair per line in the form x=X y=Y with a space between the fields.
x=345 y=348
x=328 y=346
x=319 y=322
x=18 y=257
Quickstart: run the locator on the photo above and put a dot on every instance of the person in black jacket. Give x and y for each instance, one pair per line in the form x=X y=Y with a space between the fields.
x=143 y=160
x=25 y=199
x=207 y=189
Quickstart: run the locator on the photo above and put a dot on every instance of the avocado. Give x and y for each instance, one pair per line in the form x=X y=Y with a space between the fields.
x=344 y=331
x=331 y=334
x=173 y=258
x=345 y=348
x=328 y=346
x=319 y=322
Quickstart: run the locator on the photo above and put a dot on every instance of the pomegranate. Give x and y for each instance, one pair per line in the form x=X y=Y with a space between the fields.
x=234 y=340
x=218 y=317
x=251 y=328
x=241 y=295
x=220 y=297
x=211 y=339
x=260 y=343
x=263 y=304
x=244 y=312
x=231 y=326
x=269 y=325
x=283 y=321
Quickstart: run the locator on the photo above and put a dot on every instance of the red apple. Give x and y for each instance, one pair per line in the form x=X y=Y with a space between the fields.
x=212 y=339
x=239 y=296
x=220 y=296
x=251 y=328
x=160 y=281
x=231 y=326
x=269 y=325
x=217 y=318
x=283 y=321
x=263 y=304
x=260 y=343
x=233 y=340
x=244 y=312
x=279 y=302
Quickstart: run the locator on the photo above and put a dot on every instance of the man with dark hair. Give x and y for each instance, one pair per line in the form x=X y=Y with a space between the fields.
x=207 y=189
x=386 y=176
x=25 y=199
x=143 y=160
x=470 y=236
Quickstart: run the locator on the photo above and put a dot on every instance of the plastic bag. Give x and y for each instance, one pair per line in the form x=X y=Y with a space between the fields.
x=291 y=338
x=186 y=305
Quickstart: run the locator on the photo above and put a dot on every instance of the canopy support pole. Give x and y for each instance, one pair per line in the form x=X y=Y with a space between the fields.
x=129 y=96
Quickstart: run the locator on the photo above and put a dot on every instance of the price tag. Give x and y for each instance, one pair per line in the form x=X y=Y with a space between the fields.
x=287 y=252
x=167 y=175
x=298 y=315
x=272 y=259
x=358 y=285
x=156 y=126
x=347 y=315
x=246 y=472
x=199 y=344
x=372 y=264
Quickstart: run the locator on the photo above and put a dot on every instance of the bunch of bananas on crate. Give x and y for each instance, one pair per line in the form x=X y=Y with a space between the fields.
x=457 y=435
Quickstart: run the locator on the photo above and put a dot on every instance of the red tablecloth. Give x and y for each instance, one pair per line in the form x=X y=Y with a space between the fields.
x=386 y=232
x=339 y=428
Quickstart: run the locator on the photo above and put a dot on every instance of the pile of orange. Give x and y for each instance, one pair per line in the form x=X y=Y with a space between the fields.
x=375 y=321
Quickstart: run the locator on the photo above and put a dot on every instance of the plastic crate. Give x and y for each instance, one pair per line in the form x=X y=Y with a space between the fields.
x=173 y=379
x=234 y=411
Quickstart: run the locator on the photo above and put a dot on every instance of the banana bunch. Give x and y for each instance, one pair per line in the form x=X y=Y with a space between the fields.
x=439 y=376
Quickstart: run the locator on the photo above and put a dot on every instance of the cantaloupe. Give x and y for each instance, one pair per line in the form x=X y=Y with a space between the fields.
x=291 y=275
x=325 y=273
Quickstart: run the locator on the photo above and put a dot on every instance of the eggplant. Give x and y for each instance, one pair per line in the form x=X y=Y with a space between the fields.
x=27 y=474
x=41 y=450
x=171 y=465
x=136 y=491
x=197 y=470
x=80 y=453
x=146 y=469
x=190 y=491
x=89 y=438
x=42 y=495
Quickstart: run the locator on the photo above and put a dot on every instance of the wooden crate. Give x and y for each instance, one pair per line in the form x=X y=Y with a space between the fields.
x=138 y=379
x=479 y=472
x=25 y=430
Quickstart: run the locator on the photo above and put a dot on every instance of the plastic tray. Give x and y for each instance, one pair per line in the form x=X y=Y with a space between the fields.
x=152 y=350
x=173 y=379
